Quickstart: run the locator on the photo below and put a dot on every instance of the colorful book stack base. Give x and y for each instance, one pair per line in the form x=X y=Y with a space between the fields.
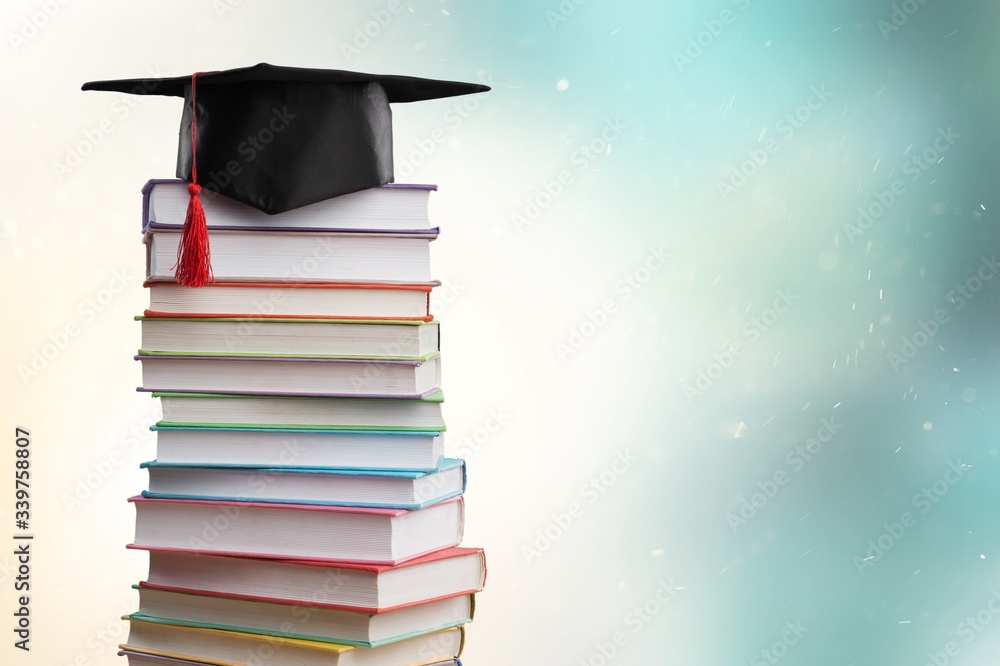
x=300 y=509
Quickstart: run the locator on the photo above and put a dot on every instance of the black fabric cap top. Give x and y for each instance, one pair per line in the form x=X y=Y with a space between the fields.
x=277 y=138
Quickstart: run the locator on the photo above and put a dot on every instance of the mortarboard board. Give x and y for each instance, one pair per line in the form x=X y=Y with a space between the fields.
x=277 y=138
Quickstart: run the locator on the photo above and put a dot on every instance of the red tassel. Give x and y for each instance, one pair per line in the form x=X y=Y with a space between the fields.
x=194 y=258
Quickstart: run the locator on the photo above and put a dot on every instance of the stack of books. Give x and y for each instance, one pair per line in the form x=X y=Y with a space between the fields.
x=300 y=509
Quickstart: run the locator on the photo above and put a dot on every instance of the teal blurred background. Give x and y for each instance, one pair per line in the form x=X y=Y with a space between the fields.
x=721 y=272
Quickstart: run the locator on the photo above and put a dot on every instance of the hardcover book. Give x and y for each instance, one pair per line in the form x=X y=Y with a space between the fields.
x=306 y=485
x=330 y=300
x=152 y=643
x=137 y=658
x=298 y=531
x=302 y=412
x=247 y=336
x=414 y=450
x=315 y=622
x=285 y=375
x=392 y=207
x=368 y=588
x=262 y=256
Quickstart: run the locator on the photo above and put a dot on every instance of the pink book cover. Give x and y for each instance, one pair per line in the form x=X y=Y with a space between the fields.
x=139 y=499
x=373 y=567
x=446 y=553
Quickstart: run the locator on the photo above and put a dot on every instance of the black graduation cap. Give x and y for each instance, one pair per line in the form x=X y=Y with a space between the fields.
x=277 y=138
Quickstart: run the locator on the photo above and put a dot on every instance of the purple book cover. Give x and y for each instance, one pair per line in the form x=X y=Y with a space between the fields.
x=152 y=224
